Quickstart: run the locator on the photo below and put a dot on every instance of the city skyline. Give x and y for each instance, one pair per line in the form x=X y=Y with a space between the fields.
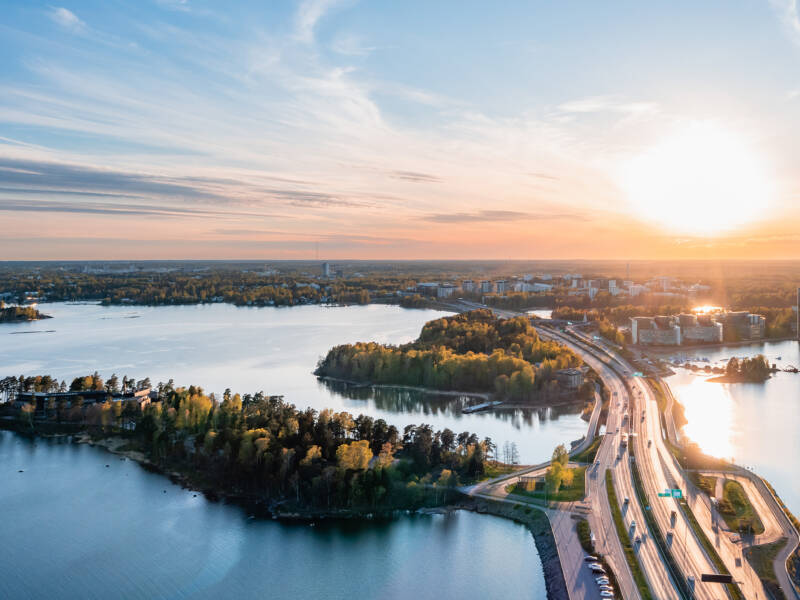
x=173 y=129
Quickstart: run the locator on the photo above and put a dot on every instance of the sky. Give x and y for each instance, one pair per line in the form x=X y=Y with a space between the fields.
x=339 y=129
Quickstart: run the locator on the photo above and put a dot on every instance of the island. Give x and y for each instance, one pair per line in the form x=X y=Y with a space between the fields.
x=15 y=314
x=746 y=370
x=473 y=352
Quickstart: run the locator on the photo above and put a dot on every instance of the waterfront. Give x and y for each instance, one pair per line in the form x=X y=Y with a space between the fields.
x=754 y=423
x=81 y=529
x=270 y=349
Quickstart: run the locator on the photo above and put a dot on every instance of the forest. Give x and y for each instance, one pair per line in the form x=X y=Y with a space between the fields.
x=14 y=314
x=472 y=351
x=262 y=447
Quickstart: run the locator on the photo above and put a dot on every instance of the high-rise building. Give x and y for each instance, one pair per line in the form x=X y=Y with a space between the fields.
x=326 y=269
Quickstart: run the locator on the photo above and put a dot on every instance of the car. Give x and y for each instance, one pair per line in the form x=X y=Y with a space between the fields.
x=597 y=568
x=602 y=580
x=590 y=558
x=604 y=594
x=626 y=501
x=606 y=588
x=638 y=540
x=633 y=524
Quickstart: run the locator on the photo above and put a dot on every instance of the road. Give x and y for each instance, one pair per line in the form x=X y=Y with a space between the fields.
x=658 y=471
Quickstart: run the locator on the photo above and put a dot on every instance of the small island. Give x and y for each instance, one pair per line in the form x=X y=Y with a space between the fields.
x=747 y=370
x=15 y=314
x=472 y=352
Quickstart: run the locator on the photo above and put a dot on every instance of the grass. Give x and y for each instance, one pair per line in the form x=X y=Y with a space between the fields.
x=573 y=493
x=762 y=560
x=706 y=483
x=735 y=591
x=588 y=455
x=625 y=540
x=793 y=562
x=737 y=510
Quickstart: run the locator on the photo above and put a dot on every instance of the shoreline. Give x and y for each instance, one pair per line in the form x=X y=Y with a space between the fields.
x=688 y=348
x=365 y=384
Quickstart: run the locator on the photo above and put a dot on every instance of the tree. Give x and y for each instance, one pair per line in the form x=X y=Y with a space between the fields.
x=553 y=477
x=560 y=455
x=354 y=456
x=567 y=477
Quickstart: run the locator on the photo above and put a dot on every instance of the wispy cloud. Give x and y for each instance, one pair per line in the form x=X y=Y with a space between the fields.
x=308 y=15
x=415 y=176
x=66 y=19
x=790 y=17
x=494 y=216
x=599 y=104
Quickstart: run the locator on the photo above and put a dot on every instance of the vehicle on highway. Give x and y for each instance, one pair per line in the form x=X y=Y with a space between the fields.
x=633 y=524
x=669 y=536
x=673 y=516
x=638 y=540
x=597 y=568
x=606 y=594
x=602 y=581
x=649 y=443
x=606 y=588
x=590 y=558
x=626 y=501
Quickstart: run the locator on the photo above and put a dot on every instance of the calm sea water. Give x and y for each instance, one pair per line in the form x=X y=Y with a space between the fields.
x=81 y=523
x=271 y=349
x=757 y=424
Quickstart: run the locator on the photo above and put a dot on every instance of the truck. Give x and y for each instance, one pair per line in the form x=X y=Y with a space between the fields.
x=623 y=442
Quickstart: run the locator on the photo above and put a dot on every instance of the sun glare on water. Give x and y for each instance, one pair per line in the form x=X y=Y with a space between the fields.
x=702 y=180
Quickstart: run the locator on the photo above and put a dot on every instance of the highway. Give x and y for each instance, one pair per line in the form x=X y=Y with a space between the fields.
x=658 y=471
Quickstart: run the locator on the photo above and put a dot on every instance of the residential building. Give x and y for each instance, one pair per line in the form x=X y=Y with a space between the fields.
x=655 y=331
x=326 y=269
x=742 y=325
x=428 y=288
x=570 y=378
x=468 y=286
x=486 y=287
x=446 y=290
x=500 y=286
x=700 y=329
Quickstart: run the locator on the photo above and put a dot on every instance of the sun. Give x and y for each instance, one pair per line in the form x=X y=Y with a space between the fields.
x=701 y=180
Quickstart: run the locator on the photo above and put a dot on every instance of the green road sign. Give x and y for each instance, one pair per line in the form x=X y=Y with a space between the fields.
x=674 y=493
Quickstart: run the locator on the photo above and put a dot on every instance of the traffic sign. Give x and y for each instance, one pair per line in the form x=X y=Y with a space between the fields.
x=673 y=493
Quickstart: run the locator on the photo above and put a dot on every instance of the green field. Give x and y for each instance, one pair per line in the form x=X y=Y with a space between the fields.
x=573 y=493
x=737 y=511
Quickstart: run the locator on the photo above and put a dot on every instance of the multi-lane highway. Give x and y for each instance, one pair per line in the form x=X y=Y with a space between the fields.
x=634 y=410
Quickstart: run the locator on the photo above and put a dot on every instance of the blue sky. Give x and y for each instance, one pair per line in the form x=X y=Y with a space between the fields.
x=170 y=129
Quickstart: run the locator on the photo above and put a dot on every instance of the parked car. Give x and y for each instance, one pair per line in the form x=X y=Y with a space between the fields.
x=597 y=568
x=590 y=558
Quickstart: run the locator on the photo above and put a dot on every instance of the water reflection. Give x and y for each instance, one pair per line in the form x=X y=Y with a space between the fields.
x=755 y=423
x=403 y=400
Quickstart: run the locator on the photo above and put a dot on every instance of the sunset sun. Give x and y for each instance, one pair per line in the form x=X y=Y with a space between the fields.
x=701 y=180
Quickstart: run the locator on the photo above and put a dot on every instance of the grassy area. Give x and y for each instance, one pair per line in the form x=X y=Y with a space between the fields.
x=496 y=469
x=762 y=560
x=793 y=562
x=735 y=591
x=587 y=456
x=585 y=536
x=625 y=540
x=737 y=510
x=706 y=483
x=572 y=493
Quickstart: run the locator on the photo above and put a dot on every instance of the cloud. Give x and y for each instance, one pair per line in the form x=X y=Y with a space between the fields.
x=598 y=104
x=496 y=216
x=66 y=19
x=790 y=17
x=117 y=209
x=308 y=15
x=415 y=176
x=350 y=45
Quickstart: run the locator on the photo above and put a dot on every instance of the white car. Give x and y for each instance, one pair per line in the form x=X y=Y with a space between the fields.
x=597 y=568
x=590 y=558
x=605 y=594
x=602 y=580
